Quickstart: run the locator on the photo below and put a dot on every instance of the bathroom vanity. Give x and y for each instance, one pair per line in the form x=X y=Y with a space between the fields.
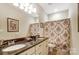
x=38 y=47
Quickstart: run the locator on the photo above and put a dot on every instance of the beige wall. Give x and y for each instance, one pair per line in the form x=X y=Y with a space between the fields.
x=42 y=14
x=75 y=34
x=8 y=10
x=72 y=9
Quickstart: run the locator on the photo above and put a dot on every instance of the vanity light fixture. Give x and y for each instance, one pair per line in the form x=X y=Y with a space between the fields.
x=34 y=10
x=29 y=11
x=27 y=7
x=21 y=6
x=26 y=4
x=16 y=4
x=30 y=7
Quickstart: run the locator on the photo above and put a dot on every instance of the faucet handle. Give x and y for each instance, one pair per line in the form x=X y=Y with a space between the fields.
x=1 y=42
x=11 y=42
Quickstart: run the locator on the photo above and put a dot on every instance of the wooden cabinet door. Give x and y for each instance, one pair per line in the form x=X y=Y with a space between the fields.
x=45 y=47
x=39 y=49
x=42 y=48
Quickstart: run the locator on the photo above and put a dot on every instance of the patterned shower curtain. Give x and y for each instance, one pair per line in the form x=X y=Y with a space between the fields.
x=58 y=32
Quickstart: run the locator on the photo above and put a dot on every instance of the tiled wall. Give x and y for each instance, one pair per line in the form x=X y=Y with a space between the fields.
x=58 y=33
x=35 y=29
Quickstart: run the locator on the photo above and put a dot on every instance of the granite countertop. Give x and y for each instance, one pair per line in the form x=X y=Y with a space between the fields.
x=28 y=46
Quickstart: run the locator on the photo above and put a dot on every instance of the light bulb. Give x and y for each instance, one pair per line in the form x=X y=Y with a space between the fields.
x=30 y=7
x=34 y=10
x=29 y=11
x=21 y=6
x=26 y=4
x=16 y=4
x=26 y=9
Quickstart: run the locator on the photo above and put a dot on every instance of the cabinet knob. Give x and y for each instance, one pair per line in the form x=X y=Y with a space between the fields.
x=39 y=45
x=26 y=54
x=40 y=53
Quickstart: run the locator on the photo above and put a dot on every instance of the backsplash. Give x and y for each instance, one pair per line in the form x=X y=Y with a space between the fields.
x=35 y=29
x=58 y=32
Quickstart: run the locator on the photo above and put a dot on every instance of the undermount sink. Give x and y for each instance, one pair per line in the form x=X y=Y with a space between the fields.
x=13 y=48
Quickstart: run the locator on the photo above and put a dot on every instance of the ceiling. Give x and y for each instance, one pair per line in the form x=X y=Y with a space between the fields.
x=54 y=7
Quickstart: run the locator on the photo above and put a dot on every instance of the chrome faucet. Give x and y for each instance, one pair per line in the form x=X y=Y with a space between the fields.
x=11 y=42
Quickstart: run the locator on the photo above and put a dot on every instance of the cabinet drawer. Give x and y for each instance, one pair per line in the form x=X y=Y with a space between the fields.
x=30 y=51
x=39 y=46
